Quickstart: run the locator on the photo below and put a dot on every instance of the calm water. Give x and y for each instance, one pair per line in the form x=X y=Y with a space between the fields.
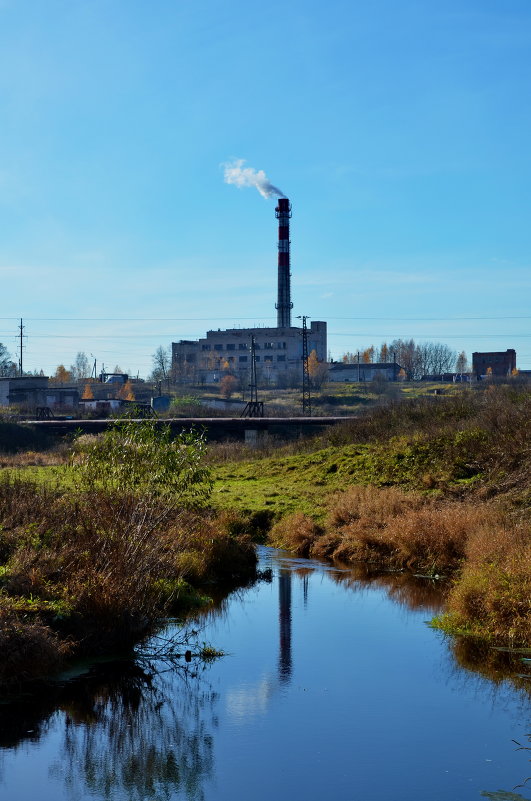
x=332 y=688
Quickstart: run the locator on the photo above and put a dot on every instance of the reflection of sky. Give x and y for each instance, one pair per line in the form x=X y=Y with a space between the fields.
x=251 y=700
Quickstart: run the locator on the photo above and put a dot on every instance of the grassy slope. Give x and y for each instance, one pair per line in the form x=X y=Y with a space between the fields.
x=302 y=482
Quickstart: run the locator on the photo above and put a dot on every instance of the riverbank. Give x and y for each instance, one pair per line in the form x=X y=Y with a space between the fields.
x=94 y=551
x=93 y=567
x=438 y=487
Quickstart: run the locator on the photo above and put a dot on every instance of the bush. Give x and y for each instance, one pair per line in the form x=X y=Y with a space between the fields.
x=132 y=456
x=296 y=533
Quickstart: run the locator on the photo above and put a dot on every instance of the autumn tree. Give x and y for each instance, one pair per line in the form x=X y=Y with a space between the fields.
x=367 y=356
x=127 y=392
x=61 y=375
x=87 y=392
x=384 y=353
x=317 y=370
x=228 y=385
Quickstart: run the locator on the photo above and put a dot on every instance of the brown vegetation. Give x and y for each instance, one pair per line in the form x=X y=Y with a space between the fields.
x=86 y=571
x=488 y=554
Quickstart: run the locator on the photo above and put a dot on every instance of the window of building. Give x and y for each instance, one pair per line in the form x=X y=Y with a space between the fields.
x=268 y=345
x=268 y=358
x=281 y=358
x=218 y=347
x=242 y=358
x=231 y=346
x=205 y=347
x=257 y=358
x=242 y=346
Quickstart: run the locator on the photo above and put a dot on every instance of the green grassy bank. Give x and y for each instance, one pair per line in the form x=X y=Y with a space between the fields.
x=440 y=486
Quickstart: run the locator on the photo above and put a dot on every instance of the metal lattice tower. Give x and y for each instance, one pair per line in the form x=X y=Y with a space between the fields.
x=284 y=304
x=254 y=407
x=306 y=394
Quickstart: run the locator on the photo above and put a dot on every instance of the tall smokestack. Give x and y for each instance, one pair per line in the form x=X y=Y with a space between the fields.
x=284 y=304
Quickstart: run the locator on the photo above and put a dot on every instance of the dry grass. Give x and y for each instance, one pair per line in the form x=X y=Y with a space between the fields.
x=297 y=533
x=99 y=568
x=494 y=589
x=387 y=527
x=488 y=554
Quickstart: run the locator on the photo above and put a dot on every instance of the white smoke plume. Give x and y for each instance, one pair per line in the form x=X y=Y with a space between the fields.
x=240 y=176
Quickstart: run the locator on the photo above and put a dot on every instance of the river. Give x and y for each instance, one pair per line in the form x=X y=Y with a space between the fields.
x=332 y=688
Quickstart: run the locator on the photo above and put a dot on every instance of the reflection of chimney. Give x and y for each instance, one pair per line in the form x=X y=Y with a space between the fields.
x=284 y=614
x=284 y=304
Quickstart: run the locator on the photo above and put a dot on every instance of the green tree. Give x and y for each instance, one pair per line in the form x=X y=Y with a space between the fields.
x=143 y=457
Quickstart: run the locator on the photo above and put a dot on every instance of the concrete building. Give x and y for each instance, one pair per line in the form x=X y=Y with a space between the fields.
x=495 y=363
x=278 y=350
x=338 y=371
x=278 y=353
x=32 y=391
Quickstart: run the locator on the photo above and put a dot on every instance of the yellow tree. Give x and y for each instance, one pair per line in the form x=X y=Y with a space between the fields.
x=368 y=355
x=317 y=370
x=61 y=375
x=87 y=392
x=127 y=392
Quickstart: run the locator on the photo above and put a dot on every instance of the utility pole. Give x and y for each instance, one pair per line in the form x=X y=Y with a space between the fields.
x=358 y=367
x=253 y=407
x=306 y=394
x=21 y=328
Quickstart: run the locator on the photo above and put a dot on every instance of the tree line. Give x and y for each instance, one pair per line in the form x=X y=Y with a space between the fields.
x=416 y=359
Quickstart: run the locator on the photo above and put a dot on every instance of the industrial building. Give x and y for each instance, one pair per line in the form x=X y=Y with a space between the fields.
x=30 y=392
x=386 y=371
x=494 y=363
x=278 y=350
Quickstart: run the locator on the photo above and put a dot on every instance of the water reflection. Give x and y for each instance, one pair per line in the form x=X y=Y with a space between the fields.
x=137 y=730
x=129 y=732
x=411 y=591
x=284 y=619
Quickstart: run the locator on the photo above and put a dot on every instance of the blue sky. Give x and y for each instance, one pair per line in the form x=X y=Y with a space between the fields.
x=400 y=131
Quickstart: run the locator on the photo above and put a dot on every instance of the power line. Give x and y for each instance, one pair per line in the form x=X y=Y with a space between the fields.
x=237 y=319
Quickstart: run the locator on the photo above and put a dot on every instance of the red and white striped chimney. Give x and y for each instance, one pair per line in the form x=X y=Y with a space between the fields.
x=284 y=304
